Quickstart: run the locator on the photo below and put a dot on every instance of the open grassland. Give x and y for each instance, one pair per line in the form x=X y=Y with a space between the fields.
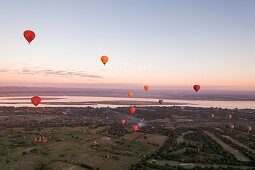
x=73 y=148
x=146 y=138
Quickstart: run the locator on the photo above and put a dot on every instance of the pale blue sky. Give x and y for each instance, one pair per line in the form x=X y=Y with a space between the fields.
x=156 y=42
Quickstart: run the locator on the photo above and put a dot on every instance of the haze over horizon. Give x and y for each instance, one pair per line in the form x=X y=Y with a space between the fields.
x=118 y=86
x=165 y=44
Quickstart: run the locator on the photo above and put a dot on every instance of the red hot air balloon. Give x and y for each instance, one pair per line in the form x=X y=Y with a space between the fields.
x=29 y=35
x=123 y=122
x=196 y=88
x=161 y=101
x=132 y=110
x=135 y=128
x=36 y=100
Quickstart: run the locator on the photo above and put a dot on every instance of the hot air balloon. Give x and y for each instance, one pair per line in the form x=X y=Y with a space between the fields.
x=36 y=100
x=29 y=35
x=196 y=88
x=231 y=126
x=104 y=59
x=135 y=128
x=123 y=122
x=249 y=128
x=229 y=116
x=130 y=94
x=161 y=101
x=132 y=110
x=212 y=115
x=146 y=87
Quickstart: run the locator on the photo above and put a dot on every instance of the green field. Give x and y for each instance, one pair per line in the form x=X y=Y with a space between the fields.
x=87 y=138
x=69 y=148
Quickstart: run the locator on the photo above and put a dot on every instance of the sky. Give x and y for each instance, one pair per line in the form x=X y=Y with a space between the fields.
x=162 y=43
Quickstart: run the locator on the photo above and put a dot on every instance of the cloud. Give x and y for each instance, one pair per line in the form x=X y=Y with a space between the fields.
x=50 y=72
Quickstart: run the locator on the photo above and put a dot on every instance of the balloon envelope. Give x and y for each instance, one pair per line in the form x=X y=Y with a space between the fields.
x=230 y=116
x=135 y=128
x=130 y=94
x=160 y=101
x=231 y=126
x=123 y=122
x=104 y=59
x=36 y=100
x=132 y=110
x=29 y=35
x=196 y=88
x=146 y=87
x=249 y=128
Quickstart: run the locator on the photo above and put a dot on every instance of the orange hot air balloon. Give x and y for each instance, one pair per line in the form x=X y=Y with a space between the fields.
x=104 y=59
x=29 y=35
x=249 y=128
x=132 y=110
x=231 y=126
x=196 y=88
x=161 y=101
x=123 y=122
x=36 y=100
x=146 y=87
x=212 y=115
x=130 y=94
x=135 y=128
x=230 y=116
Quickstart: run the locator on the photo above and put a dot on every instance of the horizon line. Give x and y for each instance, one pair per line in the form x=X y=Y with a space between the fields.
x=120 y=86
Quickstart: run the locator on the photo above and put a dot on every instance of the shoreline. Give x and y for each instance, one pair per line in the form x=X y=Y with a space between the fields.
x=57 y=97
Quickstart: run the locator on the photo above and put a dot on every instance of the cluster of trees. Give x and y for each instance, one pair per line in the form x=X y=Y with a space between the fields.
x=197 y=148
x=240 y=134
x=243 y=150
x=211 y=153
x=243 y=138
x=83 y=165
x=144 y=165
x=88 y=166
x=116 y=130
